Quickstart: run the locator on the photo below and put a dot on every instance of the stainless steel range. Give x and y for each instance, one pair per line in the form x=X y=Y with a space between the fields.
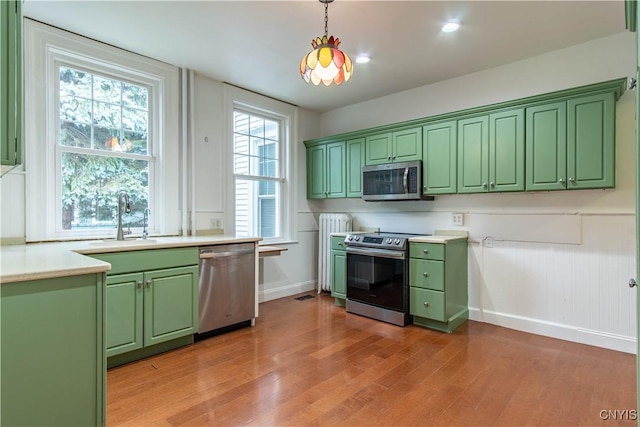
x=378 y=276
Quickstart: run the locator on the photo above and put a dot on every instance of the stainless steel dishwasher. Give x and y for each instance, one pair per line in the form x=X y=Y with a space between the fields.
x=227 y=287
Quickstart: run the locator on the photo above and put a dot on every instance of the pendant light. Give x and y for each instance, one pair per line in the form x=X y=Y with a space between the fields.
x=326 y=63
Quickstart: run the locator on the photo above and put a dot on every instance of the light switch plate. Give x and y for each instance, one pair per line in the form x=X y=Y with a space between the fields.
x=488 y=242
x=457 y=219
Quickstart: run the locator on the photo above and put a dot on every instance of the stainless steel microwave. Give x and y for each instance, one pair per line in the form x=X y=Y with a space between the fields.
x=392 y=181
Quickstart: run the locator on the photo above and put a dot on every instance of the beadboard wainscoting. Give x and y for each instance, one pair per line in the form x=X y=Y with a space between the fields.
x=576 y=292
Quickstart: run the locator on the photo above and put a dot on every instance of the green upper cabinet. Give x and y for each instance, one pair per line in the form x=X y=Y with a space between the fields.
x=591 y=142
x=326 y=171
x=354 y=163
x=546 y=146
x=571 y=144
x=491 y=152
x=439 y=143
x=398 y=146
x=10 y=82
x=473 y=155
x=506 y=151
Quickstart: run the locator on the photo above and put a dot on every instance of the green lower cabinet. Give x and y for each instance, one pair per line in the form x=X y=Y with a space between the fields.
x=150 y=307
x=438 y=297
x=338 y=269
x=53 y=352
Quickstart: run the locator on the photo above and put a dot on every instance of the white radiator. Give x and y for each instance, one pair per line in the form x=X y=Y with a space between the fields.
x=329 y=223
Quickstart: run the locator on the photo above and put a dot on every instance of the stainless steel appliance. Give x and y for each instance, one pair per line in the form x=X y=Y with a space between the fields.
x=227 y=287
x=378 y=276
x=393 y=181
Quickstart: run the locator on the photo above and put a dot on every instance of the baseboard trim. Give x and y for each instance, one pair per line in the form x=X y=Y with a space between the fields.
x=285 y=291
x=607 y=340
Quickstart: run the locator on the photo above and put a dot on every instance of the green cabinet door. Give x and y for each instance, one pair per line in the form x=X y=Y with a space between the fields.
x=546 y=148
x=124 y=315
x=10 y=81
x=170 y=304
x=316 y=170
x=339 y=274
x=378 y=149
x=591 y=142
x=439 y=143
x=335 y=173
x=406 y=145
x=353 y=167
x=506 y=151
x=53 y=352
x=473 y=155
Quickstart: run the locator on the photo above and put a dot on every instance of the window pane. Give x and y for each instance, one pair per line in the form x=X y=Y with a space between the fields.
x=107 y=90
x=75 y=134
x=90 y=187
x=257 y=126
x=75 y=109
x=75 y=83
x=135 y=96
x=267 y=216
x=241 y=123
x=106 y=114
x=137 y=142
x=271 y=130
x=134 y=119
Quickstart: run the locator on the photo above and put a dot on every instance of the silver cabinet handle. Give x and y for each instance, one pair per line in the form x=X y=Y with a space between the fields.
x=561 y=181
x=139 y=283
x=426 y=304
x=426 y=251
x=148 y=283
x=425 y=274
x=572 y=181
x=492 y=185
x=632 y=283
x=388 y=157
x=484 y=185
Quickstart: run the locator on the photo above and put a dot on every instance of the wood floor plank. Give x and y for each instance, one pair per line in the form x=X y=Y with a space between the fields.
x=310 y=363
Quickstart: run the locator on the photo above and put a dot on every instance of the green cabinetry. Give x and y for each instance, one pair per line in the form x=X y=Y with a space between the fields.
x=151 y=298
x=491 y=152
x=438 y=284
x=439 y=150
x=355 y=162
x=338 y=269
x=571 y=144
x=11 y=78
x=53 y=353
x=397 y=146
x=326 y=171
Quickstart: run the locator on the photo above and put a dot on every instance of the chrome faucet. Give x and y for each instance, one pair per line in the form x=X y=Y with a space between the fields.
x=122 y=196
x=146 y=219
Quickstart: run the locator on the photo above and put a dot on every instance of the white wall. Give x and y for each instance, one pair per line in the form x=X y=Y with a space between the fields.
x=294 y=270
x=560 y=260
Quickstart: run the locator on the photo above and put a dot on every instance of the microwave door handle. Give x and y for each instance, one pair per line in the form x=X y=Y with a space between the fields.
x=405 y=180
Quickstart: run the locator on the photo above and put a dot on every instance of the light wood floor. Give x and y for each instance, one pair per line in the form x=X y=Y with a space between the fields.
x=310 y=363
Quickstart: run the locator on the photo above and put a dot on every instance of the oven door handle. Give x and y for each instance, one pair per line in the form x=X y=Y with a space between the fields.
x=382 y=253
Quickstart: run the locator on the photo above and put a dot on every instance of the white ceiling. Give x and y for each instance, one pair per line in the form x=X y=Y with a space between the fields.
x=258 y=45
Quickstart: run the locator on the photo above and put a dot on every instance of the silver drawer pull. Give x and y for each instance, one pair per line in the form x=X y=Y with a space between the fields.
x=425 y=274
x=426 y=251
x=426 y=304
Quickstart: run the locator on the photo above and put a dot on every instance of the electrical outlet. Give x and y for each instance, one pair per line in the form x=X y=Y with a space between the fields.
x=457 y=219
x=488 y=242
x=215 y=223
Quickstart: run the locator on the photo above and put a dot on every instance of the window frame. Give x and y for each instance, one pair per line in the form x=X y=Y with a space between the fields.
x=287 y=114
x=46 y=49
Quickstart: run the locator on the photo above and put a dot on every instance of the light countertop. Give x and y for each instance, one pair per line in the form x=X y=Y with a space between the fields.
x=36 y=261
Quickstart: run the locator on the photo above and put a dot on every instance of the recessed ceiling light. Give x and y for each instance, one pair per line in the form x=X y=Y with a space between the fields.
x=363 y=59
x=450 y=26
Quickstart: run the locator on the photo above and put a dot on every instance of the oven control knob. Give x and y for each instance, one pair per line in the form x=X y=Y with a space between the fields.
x=357 y=238
x=388 y=241
x=397 y=241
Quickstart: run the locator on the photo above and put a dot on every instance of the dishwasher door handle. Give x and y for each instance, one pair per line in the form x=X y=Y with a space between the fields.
x=207 y=255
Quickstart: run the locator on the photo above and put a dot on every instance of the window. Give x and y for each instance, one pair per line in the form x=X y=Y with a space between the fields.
x=260 y=132
x=103 y=148
x=101 y=121
x=258 y=181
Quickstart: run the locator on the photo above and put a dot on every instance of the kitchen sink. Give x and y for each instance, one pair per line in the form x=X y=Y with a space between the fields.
x=127 y=242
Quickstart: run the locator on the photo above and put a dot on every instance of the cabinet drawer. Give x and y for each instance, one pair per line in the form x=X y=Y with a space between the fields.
x=425 y=273
x=337 y=243
x=427 y=251
x=427 y=303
